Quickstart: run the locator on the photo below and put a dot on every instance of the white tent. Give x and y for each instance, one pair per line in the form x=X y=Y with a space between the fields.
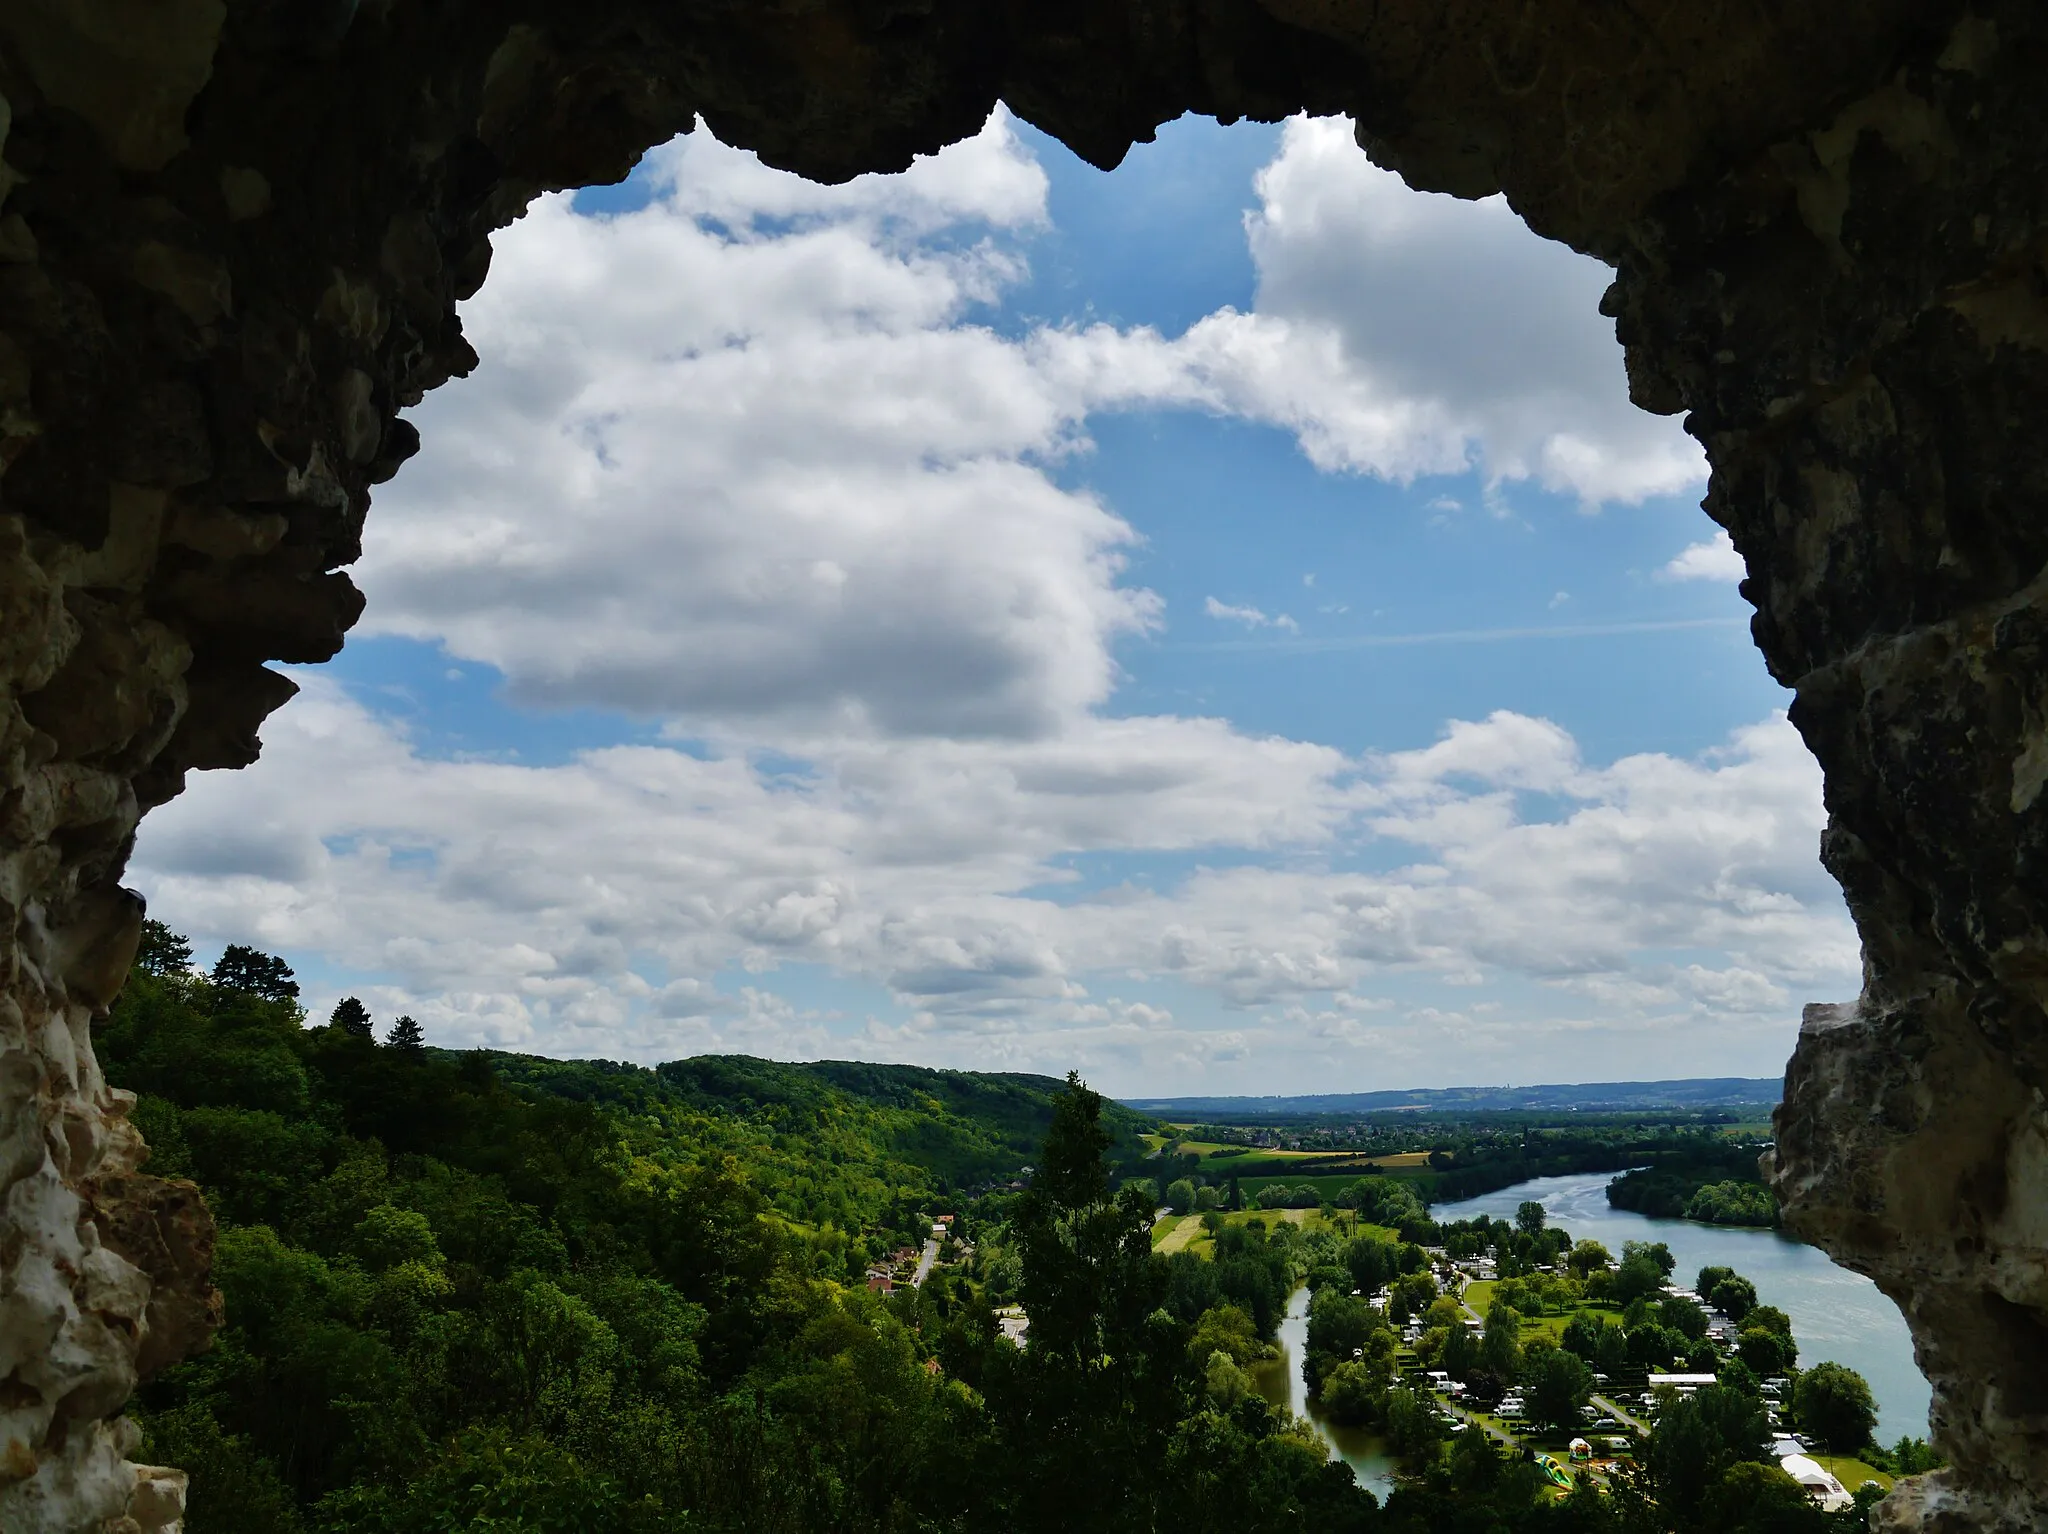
x=1819 y=1484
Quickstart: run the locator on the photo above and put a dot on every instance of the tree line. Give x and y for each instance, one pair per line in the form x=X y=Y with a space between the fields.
x=485 y=1293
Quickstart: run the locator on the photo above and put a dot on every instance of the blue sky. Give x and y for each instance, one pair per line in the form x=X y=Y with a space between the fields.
x=1217 y=624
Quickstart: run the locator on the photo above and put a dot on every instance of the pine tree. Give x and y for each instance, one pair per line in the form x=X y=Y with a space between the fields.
x=162 y=951
x=351 y=1017
x=407 y=1035
x=259 y=974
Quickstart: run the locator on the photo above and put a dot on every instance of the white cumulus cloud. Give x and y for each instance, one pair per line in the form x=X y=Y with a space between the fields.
x=746 y=463
x=1714 y=560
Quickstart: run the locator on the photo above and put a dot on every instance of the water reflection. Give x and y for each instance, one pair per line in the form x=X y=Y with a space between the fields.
x=1280 y=1382
x=1835 y=1314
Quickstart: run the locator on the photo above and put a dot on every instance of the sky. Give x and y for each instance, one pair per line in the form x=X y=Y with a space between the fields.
x=1218 y=625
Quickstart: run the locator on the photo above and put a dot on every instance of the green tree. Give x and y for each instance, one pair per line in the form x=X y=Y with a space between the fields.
x=1583 y=1334
x=1639 y=1278
x=1530 y=1217
x=1226 y=1329
x=1763 y=1351
x=1833 y=1402
x=1656 y=1251
x=1589 y=1257
x=1180 y=1195
x=1734 y=1296
x=1352 y=1395
x=407 y=1035
x=255 y=974
x=1413 y=1428
x=1915 y=1456
x=1681 y=1315
x=1501 y=1349
x=1753 y=1498
x=1339 y=1327
x=1771 y=1319
x=161 y=951
x=1460 y=1355
x=1696 y=1440
x=352 y=1018
x=1085 y=1407
x=1559 y=1384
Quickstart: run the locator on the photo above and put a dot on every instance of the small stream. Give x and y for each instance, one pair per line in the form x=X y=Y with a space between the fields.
x=1280 y=1382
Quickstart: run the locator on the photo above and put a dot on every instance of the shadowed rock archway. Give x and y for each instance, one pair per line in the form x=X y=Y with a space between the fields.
x=232 y=238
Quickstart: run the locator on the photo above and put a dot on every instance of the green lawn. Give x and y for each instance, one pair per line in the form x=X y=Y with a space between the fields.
x=1479 y=1295
x=1852 y=1473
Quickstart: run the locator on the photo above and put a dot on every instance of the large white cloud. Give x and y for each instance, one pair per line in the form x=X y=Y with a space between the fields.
x=741 y=457
x=1486 y=333
x=744 y=461
x=586 y=907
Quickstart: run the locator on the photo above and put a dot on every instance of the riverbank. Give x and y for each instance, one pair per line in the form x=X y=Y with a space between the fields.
x=1835 y=1314
x=1280 y=1382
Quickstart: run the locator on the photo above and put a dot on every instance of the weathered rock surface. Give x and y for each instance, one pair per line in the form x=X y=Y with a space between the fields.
x=233 y=232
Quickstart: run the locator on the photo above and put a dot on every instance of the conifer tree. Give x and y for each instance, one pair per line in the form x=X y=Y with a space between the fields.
x=162 y=951
x=351 y=1017
x=259 y=974
x=407 y=1035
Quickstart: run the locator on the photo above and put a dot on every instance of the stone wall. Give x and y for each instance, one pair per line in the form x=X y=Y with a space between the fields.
x=233 y=233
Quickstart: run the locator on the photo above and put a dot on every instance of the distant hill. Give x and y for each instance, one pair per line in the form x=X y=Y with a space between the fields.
x=963 y=1126
x=1604 y=1096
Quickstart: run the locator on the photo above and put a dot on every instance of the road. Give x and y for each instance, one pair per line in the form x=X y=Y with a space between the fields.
x=1485 y=1427
x=1614 y=1410
x=925 y=1260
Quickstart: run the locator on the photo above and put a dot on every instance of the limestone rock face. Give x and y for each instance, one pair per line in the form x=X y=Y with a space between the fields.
x=233 y=234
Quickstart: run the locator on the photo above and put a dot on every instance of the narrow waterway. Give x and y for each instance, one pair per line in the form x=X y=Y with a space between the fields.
x=1835 y=1314
x=1280 y=1382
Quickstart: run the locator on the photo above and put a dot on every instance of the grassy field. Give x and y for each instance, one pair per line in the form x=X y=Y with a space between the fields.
x=1184 y=1233
x=1326 y=1184
x=1479 y=1295
x=1852 y=1473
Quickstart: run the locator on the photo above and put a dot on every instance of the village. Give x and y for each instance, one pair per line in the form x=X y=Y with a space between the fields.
x=1622 y=1406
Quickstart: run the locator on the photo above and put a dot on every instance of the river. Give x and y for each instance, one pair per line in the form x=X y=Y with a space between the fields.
x=1835 y=1314
x=1280 y=1382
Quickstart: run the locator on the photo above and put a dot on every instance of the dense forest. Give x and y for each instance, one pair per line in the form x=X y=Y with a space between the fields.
x=489 y=1293
x=1719 y=1184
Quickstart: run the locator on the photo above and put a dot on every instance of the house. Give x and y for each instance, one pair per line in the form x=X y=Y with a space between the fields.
x=880 y=1281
